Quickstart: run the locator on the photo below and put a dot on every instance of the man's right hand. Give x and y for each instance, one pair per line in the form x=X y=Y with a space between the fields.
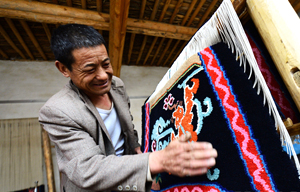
x=182 y=158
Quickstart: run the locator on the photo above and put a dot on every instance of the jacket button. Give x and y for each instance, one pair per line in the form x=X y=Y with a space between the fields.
x=134 y=188
x=127 y=188
x=120 y=188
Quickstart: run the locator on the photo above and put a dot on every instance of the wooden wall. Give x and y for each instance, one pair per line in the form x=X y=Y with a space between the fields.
x=20 y=154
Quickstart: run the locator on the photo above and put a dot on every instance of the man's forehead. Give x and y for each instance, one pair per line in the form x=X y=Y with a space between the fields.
x=86 y=53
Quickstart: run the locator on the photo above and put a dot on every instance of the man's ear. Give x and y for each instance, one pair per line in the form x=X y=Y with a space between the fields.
x=62 y=68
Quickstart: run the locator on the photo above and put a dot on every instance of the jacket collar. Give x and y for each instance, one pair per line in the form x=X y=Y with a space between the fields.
x=84 y=98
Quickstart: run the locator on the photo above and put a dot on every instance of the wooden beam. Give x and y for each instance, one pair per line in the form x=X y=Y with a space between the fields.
x=207 y=12
x=17 y=34
x=279 y=26
x=99 y=5
x=178 y=52
x=297 y=6
x=4 y=54
x=154 y=10
x=69 y=3
x=166 y=48
x=166 y=5
x=189 y=11
x=171 y=52
x=117 y=30
x=150 y=50
x=54 y=19
x=11 y=43
x=133 y=25
x=47 y=31
x=33 y=39
x=53 y=9
x=239 y=6
x=196 y=12
x=83 y=4
x=132 y=37
x=176 y=10
x=141 y=49
x=157 y=51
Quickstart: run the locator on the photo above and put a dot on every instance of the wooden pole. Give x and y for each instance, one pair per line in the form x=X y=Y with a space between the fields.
x=117 y=30
x=48 y=161
x=279 y=27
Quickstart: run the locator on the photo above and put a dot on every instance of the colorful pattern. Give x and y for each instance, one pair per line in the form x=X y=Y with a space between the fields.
x=213 y=99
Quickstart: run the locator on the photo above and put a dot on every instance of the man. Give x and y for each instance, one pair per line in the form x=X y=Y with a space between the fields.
x=90 y=123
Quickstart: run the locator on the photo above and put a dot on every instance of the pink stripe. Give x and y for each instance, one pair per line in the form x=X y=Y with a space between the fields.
x=254 y=163
x=147 y=128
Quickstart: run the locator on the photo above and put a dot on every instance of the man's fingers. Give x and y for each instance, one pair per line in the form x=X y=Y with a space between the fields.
x=185 y=137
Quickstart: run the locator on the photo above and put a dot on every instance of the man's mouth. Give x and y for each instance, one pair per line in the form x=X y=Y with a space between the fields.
x=101 y=84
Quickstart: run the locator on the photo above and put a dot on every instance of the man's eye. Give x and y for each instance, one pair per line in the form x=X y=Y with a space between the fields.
x=89 y=70
x=106 y=64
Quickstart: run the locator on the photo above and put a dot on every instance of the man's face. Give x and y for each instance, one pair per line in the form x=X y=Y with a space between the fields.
x=92 y=71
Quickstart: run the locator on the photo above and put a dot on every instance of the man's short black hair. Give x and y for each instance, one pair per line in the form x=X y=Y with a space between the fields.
x=67 y=38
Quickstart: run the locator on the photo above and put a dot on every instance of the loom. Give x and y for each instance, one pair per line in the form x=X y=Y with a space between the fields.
x=225 y=26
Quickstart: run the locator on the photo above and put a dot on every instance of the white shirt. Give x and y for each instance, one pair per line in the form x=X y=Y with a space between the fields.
x=112 y=123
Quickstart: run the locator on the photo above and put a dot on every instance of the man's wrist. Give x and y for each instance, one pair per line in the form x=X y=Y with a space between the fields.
x=155 y=162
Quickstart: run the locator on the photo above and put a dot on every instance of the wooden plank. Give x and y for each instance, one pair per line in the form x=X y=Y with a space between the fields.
x=150 y=50
x=141 y=49
x=17 y=34
x=47 y=31
x=164 y=52
x=69 y=3
x=171 y=53
x=4 y=54
x=99 y=5
x=201 y=3
x=132 y=37
x=33 y=39
x=279 y=26
x=176 y=10
x=83 y=4
x=11 y=43
x=54 y=19
x=133 y=25
x=20 y=154
x=239 y=6
x=117 y=30
x=153 y=13
x=157 y=50
x=189 y=11
x=207 y=12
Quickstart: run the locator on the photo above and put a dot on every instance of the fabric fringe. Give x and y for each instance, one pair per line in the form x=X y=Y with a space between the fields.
x=225 y=26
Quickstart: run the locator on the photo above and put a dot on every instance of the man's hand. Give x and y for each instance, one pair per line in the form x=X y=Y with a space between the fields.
x=182 y=158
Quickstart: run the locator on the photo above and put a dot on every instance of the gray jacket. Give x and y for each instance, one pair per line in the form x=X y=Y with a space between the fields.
x=85 y=154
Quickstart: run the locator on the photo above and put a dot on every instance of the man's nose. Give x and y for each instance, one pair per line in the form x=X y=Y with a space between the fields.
x=101 y=74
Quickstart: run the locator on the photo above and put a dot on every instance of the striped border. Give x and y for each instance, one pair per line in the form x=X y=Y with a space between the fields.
x=249 y=152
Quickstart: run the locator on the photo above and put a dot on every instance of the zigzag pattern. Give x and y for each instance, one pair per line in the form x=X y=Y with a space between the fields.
x=249 y=151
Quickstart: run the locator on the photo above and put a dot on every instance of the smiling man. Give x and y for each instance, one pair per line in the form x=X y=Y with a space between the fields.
x=90 y=123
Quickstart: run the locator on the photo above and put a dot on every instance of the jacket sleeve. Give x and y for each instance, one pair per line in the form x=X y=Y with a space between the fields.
x=84 y=162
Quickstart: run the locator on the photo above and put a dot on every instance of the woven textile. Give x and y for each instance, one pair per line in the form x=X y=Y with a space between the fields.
x=211 y=97
x=285 y=103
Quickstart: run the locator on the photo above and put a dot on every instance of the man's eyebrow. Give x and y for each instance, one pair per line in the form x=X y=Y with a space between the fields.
x=106 y=59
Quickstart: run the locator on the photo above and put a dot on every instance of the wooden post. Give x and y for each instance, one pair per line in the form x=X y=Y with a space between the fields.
x=279 y=27
x=48 y=161
x=117 y=30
